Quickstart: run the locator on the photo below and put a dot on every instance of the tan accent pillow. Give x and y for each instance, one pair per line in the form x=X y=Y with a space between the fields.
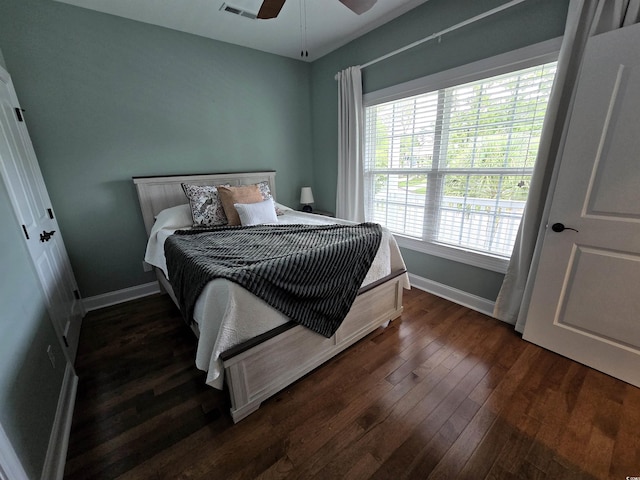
x=242 y=194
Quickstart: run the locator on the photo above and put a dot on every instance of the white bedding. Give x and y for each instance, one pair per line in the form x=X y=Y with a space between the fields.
x=226 y=313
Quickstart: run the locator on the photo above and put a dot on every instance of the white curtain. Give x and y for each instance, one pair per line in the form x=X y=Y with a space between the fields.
x=350 y=188
x=585 y=18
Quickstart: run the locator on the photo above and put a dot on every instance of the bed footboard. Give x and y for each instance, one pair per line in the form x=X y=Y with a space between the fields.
x=259 y=372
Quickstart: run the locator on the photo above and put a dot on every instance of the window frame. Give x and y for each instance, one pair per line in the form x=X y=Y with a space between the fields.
x=530 y=56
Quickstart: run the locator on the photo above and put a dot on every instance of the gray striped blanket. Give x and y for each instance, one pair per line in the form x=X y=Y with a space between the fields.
x=310 y=273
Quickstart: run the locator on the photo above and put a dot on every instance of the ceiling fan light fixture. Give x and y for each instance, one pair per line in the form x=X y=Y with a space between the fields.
x=359 y=6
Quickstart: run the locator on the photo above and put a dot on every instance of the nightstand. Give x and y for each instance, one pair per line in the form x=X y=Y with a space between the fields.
x=322 y=212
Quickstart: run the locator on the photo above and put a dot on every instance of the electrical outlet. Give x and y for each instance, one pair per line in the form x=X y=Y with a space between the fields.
x=52 y=356
x=146 y=267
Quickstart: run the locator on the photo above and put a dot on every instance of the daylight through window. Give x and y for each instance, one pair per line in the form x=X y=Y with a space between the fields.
x=453 y=166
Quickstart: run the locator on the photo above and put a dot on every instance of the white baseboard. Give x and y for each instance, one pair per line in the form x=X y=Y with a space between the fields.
x=460 y=297
x=120 y=296
x=59 y=440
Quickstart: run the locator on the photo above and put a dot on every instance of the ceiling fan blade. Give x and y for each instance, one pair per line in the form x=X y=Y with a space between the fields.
x=270 y=8
x=359 y=6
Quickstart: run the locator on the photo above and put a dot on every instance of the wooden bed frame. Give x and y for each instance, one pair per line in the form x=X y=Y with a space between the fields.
x=257 y=369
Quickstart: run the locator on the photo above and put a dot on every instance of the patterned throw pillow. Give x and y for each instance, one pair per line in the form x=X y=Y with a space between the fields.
x=266 y=194
x=206 y=207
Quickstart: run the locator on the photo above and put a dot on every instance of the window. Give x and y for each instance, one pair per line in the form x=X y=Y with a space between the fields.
x=452 y=166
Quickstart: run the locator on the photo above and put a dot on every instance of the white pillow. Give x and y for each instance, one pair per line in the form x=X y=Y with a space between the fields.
x=256 y=213
x=174 y=217
x=171 y=218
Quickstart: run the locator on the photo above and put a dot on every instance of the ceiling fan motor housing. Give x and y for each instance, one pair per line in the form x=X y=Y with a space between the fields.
x=271 y=8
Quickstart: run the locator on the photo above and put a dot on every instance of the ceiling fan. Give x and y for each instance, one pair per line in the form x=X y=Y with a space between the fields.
x=271 y=8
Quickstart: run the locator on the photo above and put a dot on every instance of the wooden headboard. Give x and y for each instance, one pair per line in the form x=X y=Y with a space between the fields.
x=157 y=193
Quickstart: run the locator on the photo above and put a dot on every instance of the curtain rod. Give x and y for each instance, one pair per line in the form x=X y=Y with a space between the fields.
x=464 y=23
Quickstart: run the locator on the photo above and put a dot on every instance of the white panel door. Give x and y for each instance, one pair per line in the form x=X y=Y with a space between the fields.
x=586 y=297
x=31 y=203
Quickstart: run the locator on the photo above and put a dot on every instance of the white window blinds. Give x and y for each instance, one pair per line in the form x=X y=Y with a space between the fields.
x=453 y=166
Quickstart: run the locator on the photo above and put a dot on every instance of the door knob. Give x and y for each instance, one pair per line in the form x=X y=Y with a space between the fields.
x=559 y=227
x=46 y=236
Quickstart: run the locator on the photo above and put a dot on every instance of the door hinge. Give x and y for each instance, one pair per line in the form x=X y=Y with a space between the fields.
x=76 y=294
x=19 y=114
x=26 y=234
x=66 y=343
x=50 y=212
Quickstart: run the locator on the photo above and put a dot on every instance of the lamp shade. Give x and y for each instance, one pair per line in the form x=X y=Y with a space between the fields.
x=306 y=196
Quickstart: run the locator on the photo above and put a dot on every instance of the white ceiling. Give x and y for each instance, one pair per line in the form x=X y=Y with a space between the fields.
x=329 y=24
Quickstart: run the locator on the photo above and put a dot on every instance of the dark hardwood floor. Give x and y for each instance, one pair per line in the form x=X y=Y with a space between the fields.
x=443 y=392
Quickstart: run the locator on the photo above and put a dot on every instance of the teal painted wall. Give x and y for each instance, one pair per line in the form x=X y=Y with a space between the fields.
x=108 y=98
x=29 y=386
x=525 y=24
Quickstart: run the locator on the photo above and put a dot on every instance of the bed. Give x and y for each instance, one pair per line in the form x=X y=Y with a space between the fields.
x=260 y=357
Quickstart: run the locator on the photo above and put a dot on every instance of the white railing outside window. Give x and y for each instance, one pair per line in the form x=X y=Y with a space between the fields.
x=452 y=166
